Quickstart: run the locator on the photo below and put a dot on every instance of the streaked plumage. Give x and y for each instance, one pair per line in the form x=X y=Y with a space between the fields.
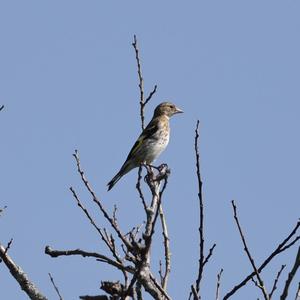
x=152 y=141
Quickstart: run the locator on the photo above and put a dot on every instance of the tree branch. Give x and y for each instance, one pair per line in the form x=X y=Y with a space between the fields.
x=139 y=189
x=55 y=287
x=291 y=276
x=143 y=102
x=218 y=284
x=276 y=281
x=102 y=258
x=165 y=277
x=99 y=204
x=202 y=259
x=298 y=292
x=261 y=283
x=280 y=248
x=20 y=276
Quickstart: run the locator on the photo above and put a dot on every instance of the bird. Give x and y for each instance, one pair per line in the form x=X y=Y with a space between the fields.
x=152 y=141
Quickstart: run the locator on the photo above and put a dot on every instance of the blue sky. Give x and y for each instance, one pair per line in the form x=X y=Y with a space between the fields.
x=68 y=81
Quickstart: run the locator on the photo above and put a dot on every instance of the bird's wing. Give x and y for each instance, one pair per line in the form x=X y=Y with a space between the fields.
x=148 y=132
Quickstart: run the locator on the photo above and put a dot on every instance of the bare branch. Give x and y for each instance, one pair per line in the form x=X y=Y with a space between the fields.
x=100 y=297
x=298 y=292
x=201 y=228
x=218 y=284
x=55 y=287
x=291 y=276
x=150 y=95
x=101 y=232
x=102 y=258
x=8 y=246
x=261 y=283
x=163 y=292
x=276 y=281
x=202 y=259
x=165 y=277
x=210 y=253
x=143 y=102
x=99 y=204
x=21 y=277
x=280 y=248
x=139 y=189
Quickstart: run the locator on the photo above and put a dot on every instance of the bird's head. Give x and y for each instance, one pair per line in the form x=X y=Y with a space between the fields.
x=166 y=109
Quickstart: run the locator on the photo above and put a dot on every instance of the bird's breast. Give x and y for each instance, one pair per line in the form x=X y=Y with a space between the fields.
x=157 y=145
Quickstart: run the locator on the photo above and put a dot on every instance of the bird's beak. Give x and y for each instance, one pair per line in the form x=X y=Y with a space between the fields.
x=178 y=110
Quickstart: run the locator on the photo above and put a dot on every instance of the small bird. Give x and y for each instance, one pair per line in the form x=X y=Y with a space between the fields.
x=152 y=141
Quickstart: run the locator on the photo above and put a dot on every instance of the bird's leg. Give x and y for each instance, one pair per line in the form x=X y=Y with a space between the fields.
x=150 y=173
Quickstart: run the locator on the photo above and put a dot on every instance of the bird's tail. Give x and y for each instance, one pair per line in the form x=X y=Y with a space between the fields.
x=115 y=180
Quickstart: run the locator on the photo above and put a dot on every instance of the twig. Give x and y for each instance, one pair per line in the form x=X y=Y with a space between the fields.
x=291 y=276
x=100 y=297
x=163 y=292
x=55 y=287
x=104 y=236
x=165 y=277
x=150 y=95
x=16 y=271
x=202 y=259
x=143 y=102
x=103 y=233
x=218 y=284
x=99 y=204
x=276 y=281
x=139 y=189
x=201 y=228
x=280 y=248
x=7 y=248
x=102 y=258
x=210 y=253
x=194 y=293
x=261 y=283
x=298 y=292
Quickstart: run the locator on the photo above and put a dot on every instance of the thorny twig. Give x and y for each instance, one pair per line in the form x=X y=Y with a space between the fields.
x=55 y=287
x=260 y=281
